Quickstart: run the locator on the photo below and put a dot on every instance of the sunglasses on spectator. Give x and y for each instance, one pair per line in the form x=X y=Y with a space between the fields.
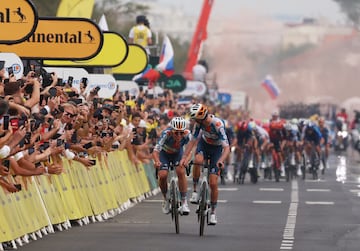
x=71 y=115
x=108 y=134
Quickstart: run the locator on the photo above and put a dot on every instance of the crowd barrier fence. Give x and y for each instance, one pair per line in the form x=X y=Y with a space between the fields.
x=79 y=194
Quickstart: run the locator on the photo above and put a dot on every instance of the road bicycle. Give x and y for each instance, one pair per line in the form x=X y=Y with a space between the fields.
x=204 y=206
x=173 y=194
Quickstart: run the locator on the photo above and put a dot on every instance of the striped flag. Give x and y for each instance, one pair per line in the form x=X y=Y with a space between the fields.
x=271 y=87
x=166 y=62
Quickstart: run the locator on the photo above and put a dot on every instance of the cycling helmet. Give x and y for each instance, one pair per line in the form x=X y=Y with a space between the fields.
x=198 y=111
x=243 y=126
x=288 y=126
x=178 y=124
x=251 y=125
x=294 y=121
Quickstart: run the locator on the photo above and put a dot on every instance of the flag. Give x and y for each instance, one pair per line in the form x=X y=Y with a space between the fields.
x=75 y=8
x=271 y=87
x=166 y=62
x=141 y=75
x=103 y=24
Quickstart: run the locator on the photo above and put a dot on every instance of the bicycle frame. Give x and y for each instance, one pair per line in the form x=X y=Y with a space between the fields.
x=174 y=196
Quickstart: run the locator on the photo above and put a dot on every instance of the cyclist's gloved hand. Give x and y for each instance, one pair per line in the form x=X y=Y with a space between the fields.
x=157 y=164
x=220 y=164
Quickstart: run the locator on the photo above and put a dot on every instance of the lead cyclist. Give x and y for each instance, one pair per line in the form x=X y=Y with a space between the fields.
x=210 y=136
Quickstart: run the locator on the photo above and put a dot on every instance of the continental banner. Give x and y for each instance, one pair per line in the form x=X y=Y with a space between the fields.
x=60 y=38
x=18 y=20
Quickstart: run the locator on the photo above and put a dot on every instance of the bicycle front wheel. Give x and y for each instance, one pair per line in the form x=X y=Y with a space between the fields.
x=174 y=205
x=202 y=208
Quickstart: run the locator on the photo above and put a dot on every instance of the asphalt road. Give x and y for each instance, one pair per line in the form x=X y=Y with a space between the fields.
x=321 y=215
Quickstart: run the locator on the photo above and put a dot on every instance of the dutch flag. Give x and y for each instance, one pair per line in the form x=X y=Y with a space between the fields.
x=271 y=87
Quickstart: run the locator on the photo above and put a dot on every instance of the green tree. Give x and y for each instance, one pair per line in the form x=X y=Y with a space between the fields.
x=352 y=9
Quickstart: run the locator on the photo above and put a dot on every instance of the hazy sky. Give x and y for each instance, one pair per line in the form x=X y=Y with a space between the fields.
x=312 y=8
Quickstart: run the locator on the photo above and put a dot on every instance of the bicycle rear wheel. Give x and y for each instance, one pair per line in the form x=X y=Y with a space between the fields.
x=202 y=208
x=174 y=206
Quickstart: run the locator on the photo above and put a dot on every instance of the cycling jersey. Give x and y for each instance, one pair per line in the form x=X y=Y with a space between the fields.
x=312 y=134
x=214 y=134
x=243 y=137
x=325 y=134
x=168 y=144
x=292 y=134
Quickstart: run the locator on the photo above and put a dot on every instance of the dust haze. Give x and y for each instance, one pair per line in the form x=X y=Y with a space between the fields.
x=242 y=50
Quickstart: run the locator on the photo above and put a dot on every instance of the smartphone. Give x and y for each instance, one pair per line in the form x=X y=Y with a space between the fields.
x=10 y=70
x=18 y=186
x=6 y=122
x=84 y=81
x=52 y=92
x=59 y=142
x=74 y=138
x=6 y=163
x=95 y=103
x=70 y=80
x=31 y=150
x=87 y=145
x=27 y=138
x=93 y=162
x=60 y=82
x=103 y=134
x=128 y=109
x=115 y=146
x=50 y=121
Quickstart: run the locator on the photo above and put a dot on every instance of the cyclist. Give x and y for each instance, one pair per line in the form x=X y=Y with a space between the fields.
x=210 y=136
x=169 y=148
x=311 y=135
x=325 y=140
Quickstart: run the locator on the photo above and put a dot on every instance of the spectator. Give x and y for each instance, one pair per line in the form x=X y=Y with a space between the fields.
x=140 y=34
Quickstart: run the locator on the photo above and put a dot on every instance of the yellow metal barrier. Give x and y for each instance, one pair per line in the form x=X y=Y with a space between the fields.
x=77 y=193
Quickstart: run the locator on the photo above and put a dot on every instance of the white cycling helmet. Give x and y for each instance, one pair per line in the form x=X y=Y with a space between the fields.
x=178 y=124
x=198 y=111
x=288 y=126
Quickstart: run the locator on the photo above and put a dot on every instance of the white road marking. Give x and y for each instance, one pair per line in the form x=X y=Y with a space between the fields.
x=314 y=181
x=319 y=203
x=267 y=201
x=289 y=231
x=228 y=189
x=355 y=191
x=271 y=189
x=318 y=190
x=158 y=201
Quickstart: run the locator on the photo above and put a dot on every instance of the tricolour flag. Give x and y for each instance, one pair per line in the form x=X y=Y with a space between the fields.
x=78 y=8
x=166 y=62
x=271 y=87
